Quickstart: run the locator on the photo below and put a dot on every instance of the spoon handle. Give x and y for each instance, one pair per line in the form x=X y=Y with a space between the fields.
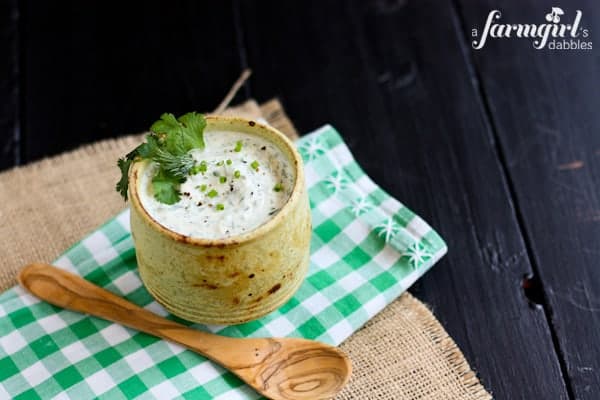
x=281 y=369
x=66 y=290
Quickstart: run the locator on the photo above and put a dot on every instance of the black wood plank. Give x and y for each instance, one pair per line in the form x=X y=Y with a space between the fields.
x=392 y=77
x=102 y=69
x=9 y=84
x=544 y=106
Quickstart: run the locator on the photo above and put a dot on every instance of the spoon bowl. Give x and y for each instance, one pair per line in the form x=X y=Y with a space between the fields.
x=278 y=368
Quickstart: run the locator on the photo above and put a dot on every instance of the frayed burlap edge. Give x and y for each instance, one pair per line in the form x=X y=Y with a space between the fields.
x=450 y=350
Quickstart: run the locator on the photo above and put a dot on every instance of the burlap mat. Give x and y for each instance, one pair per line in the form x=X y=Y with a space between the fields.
x=46 y=206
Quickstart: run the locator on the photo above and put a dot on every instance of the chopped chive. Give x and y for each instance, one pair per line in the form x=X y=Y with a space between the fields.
x=228 y=162
x=222 y=179
x=220 y=164
x=254 y=165
x=202 y=188
x=198 y=168
x=220 y=207
x=278 y=187
x=212 y=193
x=238 y=146
x=236 y=174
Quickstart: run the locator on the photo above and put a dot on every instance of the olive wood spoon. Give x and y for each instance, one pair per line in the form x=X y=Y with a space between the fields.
x=279 y=368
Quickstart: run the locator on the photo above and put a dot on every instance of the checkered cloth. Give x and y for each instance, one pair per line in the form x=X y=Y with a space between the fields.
x=366 y=249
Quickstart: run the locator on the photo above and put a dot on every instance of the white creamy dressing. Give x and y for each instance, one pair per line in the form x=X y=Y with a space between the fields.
x=240 y=204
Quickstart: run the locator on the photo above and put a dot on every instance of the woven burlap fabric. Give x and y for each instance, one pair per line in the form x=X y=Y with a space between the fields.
x=46 y=206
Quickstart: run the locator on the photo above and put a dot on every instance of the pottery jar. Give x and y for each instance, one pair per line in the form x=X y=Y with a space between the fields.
x=233 y=279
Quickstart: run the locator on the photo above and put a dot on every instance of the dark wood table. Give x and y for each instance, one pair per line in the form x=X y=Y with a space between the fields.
x=498 y=148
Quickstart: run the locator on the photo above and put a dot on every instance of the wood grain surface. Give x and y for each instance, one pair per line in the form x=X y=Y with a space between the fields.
x=497 y=148
x=9 y=85
x=545 y=122
x=96 y=71
x=279 y=368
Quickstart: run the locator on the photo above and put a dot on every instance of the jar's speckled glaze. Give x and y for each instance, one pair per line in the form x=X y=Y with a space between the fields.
x=234 y=279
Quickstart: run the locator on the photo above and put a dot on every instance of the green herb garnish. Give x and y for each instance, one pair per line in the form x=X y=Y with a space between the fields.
x=212 y=193
x=220 y=207
x=165 y=189
x=168 y=145
x=278 y=187
x=238 y=146
x=228 y=162
x=222 y=179
x=236 y=174
x=254 y=165
x=199 y=168
x=202 y=187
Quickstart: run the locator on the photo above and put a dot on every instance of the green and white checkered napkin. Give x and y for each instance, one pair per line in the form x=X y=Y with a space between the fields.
x=366 y=249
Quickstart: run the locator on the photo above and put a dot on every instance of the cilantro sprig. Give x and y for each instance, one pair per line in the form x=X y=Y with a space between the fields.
x=168 y=144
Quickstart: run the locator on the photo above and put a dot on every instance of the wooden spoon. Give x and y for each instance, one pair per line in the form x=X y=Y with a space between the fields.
x=279 y=368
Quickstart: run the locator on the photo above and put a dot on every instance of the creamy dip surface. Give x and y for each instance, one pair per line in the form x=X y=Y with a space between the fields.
x=243 y=181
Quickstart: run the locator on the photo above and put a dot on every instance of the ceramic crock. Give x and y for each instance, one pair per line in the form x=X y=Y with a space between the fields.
x=234 y=279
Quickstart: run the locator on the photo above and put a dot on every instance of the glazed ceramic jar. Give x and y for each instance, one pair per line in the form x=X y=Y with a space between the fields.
x=235 y=278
